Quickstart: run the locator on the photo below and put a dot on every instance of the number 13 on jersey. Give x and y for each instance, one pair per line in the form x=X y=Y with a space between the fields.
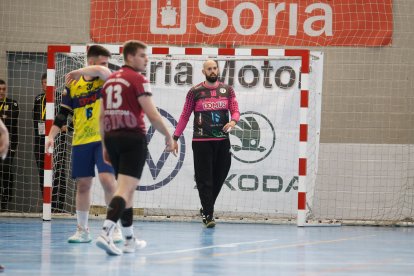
x=114 y=98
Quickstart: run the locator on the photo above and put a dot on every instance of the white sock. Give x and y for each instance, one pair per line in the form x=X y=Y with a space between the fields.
x=82 y=217
x=128 y=231
x=108 y=227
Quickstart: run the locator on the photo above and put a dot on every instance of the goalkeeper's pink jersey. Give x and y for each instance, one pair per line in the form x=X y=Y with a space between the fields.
x=211 y=106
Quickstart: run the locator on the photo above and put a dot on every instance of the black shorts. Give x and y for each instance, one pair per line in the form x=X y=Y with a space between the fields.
x=127 y=151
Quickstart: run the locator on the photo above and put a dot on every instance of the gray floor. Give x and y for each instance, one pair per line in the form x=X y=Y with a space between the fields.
x=31 y=247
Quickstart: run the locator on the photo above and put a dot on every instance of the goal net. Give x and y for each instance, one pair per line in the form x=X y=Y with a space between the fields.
x=276 y=133
x=361 y=171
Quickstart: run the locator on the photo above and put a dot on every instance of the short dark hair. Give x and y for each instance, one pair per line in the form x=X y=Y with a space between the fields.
x=44 y=76
x=131 y=46
x=2 y=82
x=97 y=50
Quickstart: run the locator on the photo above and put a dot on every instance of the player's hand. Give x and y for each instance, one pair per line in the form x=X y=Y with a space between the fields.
x=175 y=151
x=169 y=145
x=50 y=143
x=72 y=76
x=229 y=126
x=105 y=155
x=4 y=145
x=64 y=129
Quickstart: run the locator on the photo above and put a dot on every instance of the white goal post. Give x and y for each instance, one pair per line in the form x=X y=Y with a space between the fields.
x=275 y=145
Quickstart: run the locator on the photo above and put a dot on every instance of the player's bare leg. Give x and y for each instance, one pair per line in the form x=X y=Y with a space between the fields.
x=109 y=186
x=121 y=207
x=83 y=202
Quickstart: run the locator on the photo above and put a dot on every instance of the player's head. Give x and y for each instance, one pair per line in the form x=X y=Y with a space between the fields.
x=44 y=82
x=135 y=55
x=98 y=55
x=3 y=89
x=210 y=70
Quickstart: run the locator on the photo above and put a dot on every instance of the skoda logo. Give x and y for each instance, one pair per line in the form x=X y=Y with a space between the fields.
x=157 y=158
x=253 y=139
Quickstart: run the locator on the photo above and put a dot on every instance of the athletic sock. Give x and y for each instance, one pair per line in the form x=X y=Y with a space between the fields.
x=108 y=227
x=128 y=232
x=82 y=218
x=126 y=220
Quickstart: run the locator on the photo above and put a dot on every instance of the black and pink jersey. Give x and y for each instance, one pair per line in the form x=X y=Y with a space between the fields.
x=211 y=106
x=120 y=93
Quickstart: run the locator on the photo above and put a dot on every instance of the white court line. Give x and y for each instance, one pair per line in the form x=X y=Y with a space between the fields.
x=263 y=249
x=208 y=247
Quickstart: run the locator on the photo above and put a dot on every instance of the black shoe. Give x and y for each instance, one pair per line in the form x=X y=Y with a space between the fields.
x=209 y=221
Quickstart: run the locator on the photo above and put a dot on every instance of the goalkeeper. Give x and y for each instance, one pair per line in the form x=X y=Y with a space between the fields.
x=211 y=101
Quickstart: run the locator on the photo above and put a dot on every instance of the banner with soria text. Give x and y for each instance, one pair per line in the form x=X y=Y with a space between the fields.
x=232 y=23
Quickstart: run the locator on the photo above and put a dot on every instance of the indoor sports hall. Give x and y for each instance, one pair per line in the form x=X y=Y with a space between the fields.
x=321 y=180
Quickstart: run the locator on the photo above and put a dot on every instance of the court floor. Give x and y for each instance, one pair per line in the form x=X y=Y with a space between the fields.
x=29 y=246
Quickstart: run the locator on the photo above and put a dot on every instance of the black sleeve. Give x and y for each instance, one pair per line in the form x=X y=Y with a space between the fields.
x=36 y=114
x=62 y=116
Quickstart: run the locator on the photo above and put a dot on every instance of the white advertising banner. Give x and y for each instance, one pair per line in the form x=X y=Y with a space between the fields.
x=263 y=174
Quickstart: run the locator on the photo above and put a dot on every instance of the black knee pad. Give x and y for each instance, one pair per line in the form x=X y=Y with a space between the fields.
x=126 y=217
x=115 y=208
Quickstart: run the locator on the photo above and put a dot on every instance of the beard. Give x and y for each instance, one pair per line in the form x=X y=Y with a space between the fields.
x=211 y=78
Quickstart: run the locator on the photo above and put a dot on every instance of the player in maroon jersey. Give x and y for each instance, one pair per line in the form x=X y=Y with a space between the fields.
x=211 y=101
x=126 y=98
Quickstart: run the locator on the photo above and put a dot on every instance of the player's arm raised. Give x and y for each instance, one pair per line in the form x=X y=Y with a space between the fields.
x=91 y=71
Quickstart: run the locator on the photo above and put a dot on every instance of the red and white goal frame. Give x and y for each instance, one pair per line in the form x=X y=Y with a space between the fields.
x=304 y=56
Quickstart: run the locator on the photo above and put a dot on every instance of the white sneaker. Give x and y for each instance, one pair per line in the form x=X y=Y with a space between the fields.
x=108 y=245
x=81 y=236
x=131 y=245
x=117 y=235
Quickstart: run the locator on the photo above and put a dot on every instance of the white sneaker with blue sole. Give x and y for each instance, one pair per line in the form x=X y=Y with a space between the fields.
x=108 y=245
x=134 y=244
x=117 y=235
x=81 y=236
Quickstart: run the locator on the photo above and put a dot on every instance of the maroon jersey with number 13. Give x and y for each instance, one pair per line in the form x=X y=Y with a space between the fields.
x=120 y=94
